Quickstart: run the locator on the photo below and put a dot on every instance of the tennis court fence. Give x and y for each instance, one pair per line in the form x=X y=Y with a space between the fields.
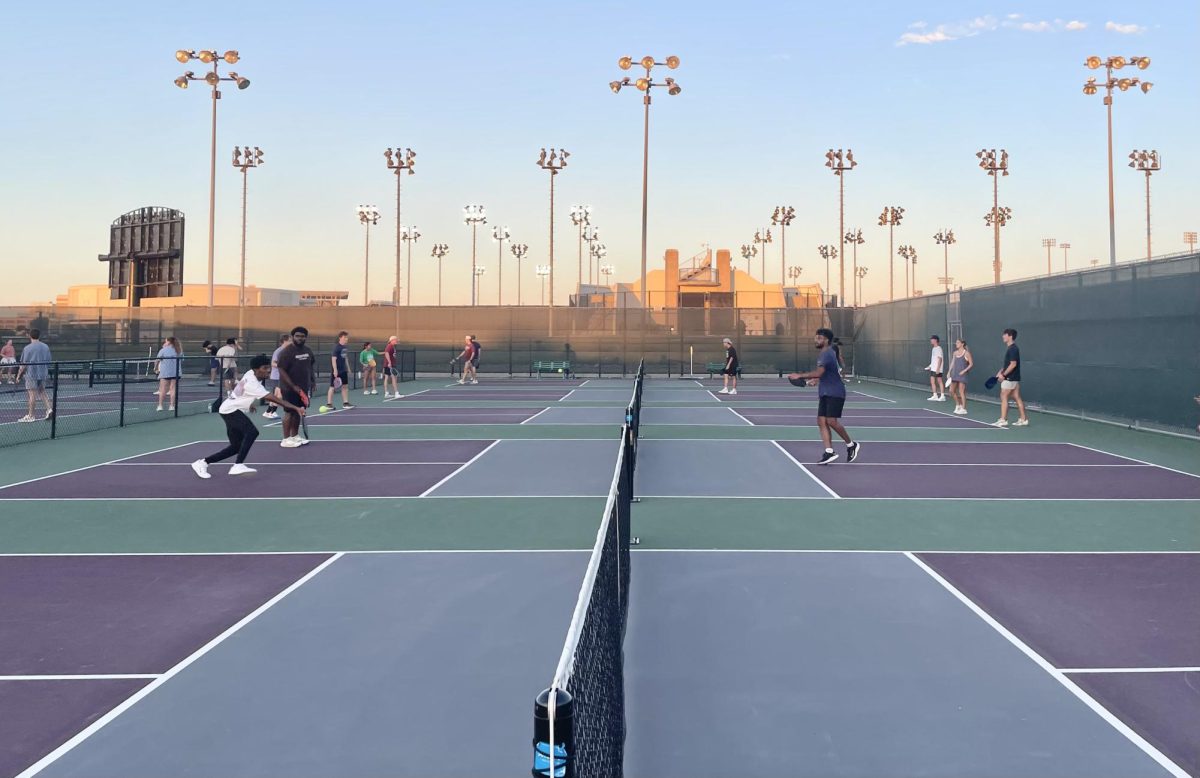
x=63 y=398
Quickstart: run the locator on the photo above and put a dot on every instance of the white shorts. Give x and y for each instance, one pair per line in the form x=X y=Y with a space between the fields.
x=1009 y=385
x=8 y=360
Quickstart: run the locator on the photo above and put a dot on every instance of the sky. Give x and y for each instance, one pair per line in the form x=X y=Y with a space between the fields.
x=92 y=127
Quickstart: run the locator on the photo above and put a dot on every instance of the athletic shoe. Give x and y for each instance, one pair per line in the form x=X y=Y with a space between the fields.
x=241 y=470
x=49 y=415
x=941 y=398
x=158 y=409
x=462 y=381
x=290 y=443
x=931 y=398
x=827 y=457
x=474 y=381
x=346 y=406
x=171 y=409
x=960 y=411
x=26 y=419
x=1021 y=423
x=387 y=395
x=1000 y=423
x=724 y=390
x=270 y=415
x=374 y=391
x=733 y=391
x=366 y=391
x=303 y=440
x=852 y=451
x=200 y=468
x=210 y=383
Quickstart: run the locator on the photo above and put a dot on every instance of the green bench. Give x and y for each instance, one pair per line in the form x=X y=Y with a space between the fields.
x=99 y=372
x=716 y=368
x=539 y=367
x=73 y=369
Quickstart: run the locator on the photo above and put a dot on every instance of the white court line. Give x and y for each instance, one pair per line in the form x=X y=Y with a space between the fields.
x=585 y=383
x=112 y=677
x=565 y=396
x=1131 y=459
x=698 y=383
x=580 y=550
x=1078 y=670
x=805 y=470
x=952 y=416
x=465 y=465
x=294 y=464
x=414 y=394
x=98 y=464
x=99 y=723
x=1054 y=673
x=989 y=464
x=740 y=416
x=534 y=416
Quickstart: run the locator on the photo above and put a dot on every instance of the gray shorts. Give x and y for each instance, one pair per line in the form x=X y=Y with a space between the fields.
x=35 y=384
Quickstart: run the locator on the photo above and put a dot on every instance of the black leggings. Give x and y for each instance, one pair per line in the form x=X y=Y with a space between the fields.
x=242 y=434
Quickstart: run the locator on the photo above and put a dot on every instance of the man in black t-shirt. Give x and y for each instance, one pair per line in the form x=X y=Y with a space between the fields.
x=730 y=371
x=339 y=374
x=297 y=377
x=1010 y=381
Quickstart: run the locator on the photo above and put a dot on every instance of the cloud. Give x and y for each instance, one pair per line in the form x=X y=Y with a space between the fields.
x=1124 y=29
x=1075 y=24
x=948 y=32
x=1042 y=26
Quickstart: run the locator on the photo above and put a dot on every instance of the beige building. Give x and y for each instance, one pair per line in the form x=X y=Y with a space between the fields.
x=98 y=296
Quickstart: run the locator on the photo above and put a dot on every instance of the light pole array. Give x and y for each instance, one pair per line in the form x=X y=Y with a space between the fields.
x=1147 y=162
x=995 y=167
x=399 y=161
x=244 y=159
x=763 y=237
x=500 y=234
x=1064 y=247
x=519 y=250
x=473 y=216
x=854 y=239
x=793 y=274
x=749 y=252
x=859 y=274
x=909 y=254
x=944 y=239
x=213 y=79
x=477 y=280
x=1090 y=87
x=598 y=251
x=891 y=217
x=367 y=215
x=1048 y=244
x=827 y=253
x=591 y=234
x=581 y=217
x=409 y=235
x=1190 y=239
x=840 y=164
x=542 y=271
x=439 y=251
x=996 y=218
x=781 y=218
x=644 y=85
x=554 y=162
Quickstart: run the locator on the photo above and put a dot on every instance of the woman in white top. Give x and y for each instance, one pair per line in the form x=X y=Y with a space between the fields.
x=168 y=367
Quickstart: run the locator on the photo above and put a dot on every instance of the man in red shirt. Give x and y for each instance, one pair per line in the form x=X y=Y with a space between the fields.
x=390 y=369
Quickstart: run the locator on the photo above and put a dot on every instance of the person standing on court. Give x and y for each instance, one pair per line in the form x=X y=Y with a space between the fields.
x=239 y=427
x=937 y=368
x=367 y=361
x=339 y=375
x=730 y=371
x=297 y=378
x=389 y=368
x=961 y=363
x=470 y=360
x=831 y=394
x=227 y=355
x=35 y=368
x=169 y=367
x=272 y=383
x=1010 y=381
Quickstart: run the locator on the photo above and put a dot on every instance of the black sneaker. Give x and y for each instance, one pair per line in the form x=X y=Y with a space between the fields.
x=852 y=451
x=827 y=457
x=346 y=406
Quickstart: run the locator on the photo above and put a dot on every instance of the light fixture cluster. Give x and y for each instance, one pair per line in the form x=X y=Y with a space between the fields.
x=891 y=216
x=1147 y=161
x=989 y=163
x=368 y=214
x=212 y=78
x=945 y=238
x=246 y=157
x=783 y=215
x=400 y=160
x=554 y=160
x=1090 y=87
x=839 y=162
x=474 y=214
x=645 y=83
x=1000 y=215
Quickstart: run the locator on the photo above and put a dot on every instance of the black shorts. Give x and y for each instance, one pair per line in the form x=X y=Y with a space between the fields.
x=230 y=373
x=475 y=363
x=830 y=407
x=935 y=375
x=733 y=371
x=291 y=397
x=333 y=377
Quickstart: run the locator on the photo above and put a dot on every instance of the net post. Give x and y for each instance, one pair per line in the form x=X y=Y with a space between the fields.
x=174 y=395
x=121 y=421
x=553 y=735
x=54 y=403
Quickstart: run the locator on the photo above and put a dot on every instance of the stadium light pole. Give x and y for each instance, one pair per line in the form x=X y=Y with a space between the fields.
x=597 y=251
x=763 y=237
x=944 y=239
x=749 y=252
x=793 y=273
x=591 y=234
x=891 y=217
x=409 y=235
x=554 y=161
x=996 y=218
x=213 y=79
x=473 y=216
x=859 y=273
x=995 y=167
x=439 y=251
x=581 y=217
x=1189 y=238
x=781 y=218
x=1147 y=162
x=500 y=234
x=244 y=159
x=477 y=280
x=1090 y=87
x=909 y=254
x=367 y=215
x=827 y=253
x=854 y=239
x=1048 y=244
x=542 y=271
x=519 y=250
x=841 y=164
x=1064 y=247
x=399 y=161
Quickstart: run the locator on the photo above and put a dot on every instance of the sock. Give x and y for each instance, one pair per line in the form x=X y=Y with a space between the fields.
x=828 y=451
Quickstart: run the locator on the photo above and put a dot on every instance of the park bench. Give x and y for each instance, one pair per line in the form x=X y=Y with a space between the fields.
x=716 y=368
x=539 y=367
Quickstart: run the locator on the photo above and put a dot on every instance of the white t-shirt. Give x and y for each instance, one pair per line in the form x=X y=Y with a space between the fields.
x=244 y=394
x=228 y=355
x=937 y=361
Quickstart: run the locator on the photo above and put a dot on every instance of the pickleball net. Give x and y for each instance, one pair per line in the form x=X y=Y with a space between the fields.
x=579 y=721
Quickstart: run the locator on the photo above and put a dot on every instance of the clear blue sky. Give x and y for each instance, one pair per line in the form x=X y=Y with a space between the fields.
x=92 y=127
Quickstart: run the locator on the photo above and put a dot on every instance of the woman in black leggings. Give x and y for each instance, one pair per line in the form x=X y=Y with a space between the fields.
x=235 y=412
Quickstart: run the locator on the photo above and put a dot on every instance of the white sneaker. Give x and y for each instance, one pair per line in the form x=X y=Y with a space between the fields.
x=1021 y=423
x=290 y=443
x=26 y=419
x=303 y=441
x=374 y=391
x=474 y=381
x=200 y=468
x=722 y=391
x=269 y=415
x=366 y=391
x=733 y=391
x=241 y=470
x=171 y=409
x=960 y=411
x=941 y=398
x=1000 y=423
x=931 y=398
x=462 y=381
x=158 y=409
x=387 y=395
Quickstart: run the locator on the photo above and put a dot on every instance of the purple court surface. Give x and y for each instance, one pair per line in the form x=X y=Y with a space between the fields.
x=920 y=470
x=402 y=415
x=112 y=616
x=374 y=468
x=467 y=394
x=789 y=394
x=1122 y=626
x=860 y=417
